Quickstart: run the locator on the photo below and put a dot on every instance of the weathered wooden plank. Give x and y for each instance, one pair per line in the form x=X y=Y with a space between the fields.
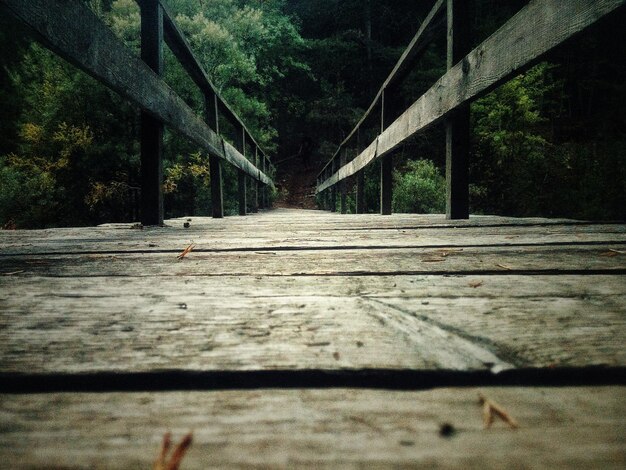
x=92 y=47
x=196 y=332
x=468 y=323
x=257 y=235
x=565 y=428
x=330 y=262
x=292 y=219
x=532 y=32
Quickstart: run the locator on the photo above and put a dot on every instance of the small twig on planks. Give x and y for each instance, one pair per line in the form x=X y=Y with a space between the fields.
x=491 y=409
x=186 y=251
x=612 y=253
x=444 y=252
x=12 y=273
x=177 y=456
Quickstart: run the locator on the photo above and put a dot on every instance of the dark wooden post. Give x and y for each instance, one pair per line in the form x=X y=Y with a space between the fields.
x=386 y=167
x=268 y=202
x=268 y=190
x=360 y=180
x=457 y=126
x=344 y=184
x=333 y=189
x=151 y=128
x=270 y=168
x=241 y=176
x=360 y=192
x=261 y=192
x=215 y=166
x=256 y=184
x=323 y=193
x=329 y=191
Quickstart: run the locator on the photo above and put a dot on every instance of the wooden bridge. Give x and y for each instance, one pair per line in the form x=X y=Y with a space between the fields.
x=291 y=338
x=302 y=338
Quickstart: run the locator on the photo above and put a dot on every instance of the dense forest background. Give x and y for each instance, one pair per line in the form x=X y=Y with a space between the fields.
x=548 y=143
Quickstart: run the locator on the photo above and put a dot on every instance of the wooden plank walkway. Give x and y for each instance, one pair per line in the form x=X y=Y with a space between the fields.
x=296 y=338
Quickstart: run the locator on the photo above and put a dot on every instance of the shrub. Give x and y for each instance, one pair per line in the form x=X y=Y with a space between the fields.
x=420 y=188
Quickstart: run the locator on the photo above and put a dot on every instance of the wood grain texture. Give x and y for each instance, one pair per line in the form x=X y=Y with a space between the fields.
x=93 y=47
x=299 y=292
x=566 y=428
x=329 y=262
x=532 y=32
x=286 y=229
x=259 y=323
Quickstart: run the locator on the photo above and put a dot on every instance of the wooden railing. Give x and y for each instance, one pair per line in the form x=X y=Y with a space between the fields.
x=535 y=30
x=75 y=33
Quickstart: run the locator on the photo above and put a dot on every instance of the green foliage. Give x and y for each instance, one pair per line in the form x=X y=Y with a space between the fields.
x=187 y=186
x=247 y=51
x=29 y=195
x=518 y=166
x=420 y=189
x=550 y=142
x=510 y=145
x=72 y=136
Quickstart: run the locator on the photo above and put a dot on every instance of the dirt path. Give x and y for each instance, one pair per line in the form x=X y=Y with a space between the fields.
x=296 y=185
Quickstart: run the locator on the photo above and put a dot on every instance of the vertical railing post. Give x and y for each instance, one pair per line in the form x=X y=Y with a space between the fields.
x=326 y=192
x=457 y=126
x=263 y=186
x=386 y=166
x=266 y=194
x=333 y=189
x=256 y=184
x=268 y=201
x=151 y=128
x=329 y=172
x=343 y=158
x=360 y=180
x=241 y=176
x=215 y=166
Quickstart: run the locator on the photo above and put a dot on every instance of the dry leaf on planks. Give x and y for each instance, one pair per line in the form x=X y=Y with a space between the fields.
x=491 y=409
x=186 y=251
x=162 y=462
x=612 y=253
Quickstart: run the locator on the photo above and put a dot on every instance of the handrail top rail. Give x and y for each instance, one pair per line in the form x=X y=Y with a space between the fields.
x=488 y=65
x=93 y=47
x=396 y=74
x=177 y=41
